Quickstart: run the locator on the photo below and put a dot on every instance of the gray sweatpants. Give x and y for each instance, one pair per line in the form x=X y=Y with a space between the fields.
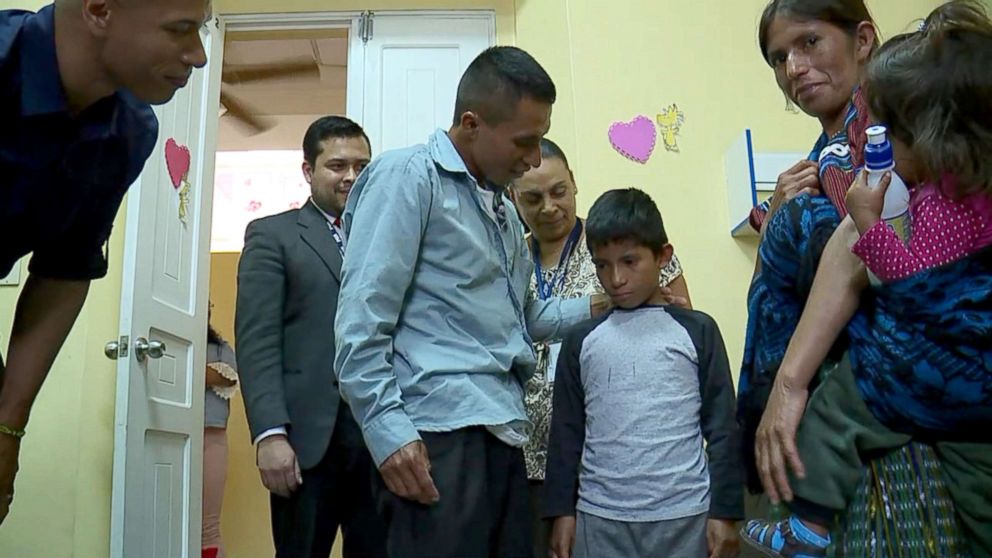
x=596 y=537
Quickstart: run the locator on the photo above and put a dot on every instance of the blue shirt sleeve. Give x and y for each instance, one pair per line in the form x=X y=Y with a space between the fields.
x=548 y=320
x=386 y=216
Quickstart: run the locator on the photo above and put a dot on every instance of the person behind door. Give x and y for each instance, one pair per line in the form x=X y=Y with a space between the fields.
x=76 y=82
x=309 y=449
x=436 y=319
x=221 y=380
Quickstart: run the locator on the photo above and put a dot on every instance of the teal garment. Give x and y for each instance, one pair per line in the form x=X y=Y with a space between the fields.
x=436 y=318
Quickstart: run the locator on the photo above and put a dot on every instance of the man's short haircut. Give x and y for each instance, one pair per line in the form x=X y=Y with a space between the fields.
x=327 y=127
x=497 y=80
x=625 y=214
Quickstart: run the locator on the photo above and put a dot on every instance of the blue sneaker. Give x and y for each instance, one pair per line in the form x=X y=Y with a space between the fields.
x=788 y=538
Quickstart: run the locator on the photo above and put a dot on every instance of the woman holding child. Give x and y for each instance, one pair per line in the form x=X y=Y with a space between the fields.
x=819 y=50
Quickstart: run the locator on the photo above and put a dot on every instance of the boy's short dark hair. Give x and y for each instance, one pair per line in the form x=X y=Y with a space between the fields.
x=497 y=80
x=327 y=127
x=625 y=214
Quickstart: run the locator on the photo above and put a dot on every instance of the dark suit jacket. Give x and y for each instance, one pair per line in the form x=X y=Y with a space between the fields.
x=288 y=281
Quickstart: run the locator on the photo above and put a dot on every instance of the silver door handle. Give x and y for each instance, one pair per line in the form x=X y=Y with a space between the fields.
x=144 y=348
x=112 y=350
x=118 y=348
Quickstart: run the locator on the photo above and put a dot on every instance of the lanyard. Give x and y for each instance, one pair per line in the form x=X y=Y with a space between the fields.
x=337 y=238
x=546 y=289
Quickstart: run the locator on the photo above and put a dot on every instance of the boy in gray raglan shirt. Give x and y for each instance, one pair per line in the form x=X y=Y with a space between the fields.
x=637 y=393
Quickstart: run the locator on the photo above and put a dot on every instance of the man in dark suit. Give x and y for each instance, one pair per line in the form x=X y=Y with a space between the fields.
x=310 y=451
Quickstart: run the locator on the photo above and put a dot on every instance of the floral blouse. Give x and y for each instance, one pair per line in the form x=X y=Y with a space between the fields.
x=580 y=280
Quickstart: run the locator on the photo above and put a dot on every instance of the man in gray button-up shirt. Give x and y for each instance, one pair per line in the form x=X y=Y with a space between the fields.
x=436 y=321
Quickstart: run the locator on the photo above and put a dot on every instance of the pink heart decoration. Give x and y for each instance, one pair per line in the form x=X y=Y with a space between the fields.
x=177 y=161
x=635 y=139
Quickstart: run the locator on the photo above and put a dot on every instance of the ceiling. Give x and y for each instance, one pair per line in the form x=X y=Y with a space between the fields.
x=287 y=103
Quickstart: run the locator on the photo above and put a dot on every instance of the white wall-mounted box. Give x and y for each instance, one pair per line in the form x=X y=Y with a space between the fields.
x=749 y=173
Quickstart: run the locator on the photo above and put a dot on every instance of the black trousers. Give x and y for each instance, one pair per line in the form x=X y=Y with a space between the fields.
x=484 y=510
x=542 y=527
x=336 y=493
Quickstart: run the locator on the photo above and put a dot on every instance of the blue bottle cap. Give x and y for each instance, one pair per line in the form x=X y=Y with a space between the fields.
x=878 y=152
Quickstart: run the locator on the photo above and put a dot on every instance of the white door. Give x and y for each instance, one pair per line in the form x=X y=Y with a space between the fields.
x=158 y=444
x=412 y=64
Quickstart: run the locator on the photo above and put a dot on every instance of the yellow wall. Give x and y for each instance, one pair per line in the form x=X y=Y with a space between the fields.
x=610 y=62
x=63 y=488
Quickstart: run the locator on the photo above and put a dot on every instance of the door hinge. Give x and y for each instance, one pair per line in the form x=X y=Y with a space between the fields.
x=366 y=26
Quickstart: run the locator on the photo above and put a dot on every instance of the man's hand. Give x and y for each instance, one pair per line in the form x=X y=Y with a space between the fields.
x=278 y=466
x=563 y=536
x=9 y=449
x=599 y=304
x=721 y=538
x=407 y=474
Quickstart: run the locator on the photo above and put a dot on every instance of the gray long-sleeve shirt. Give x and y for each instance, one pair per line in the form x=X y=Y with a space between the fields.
x=636 y=395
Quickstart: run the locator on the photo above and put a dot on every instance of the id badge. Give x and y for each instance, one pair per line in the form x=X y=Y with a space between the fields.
x=553 y=350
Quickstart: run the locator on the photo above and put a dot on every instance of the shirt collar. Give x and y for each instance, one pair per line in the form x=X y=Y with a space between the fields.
x=332 y=220
x=41 y=83
x=445 y=154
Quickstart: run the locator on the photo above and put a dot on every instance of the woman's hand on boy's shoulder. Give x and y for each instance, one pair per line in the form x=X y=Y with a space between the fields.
x=674 y=299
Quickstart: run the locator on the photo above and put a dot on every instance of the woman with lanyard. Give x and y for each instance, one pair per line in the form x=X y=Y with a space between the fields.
x=818 y=50
x=563 y=268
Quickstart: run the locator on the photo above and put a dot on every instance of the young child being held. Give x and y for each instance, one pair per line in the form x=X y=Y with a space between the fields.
x=637 y=393
x=933 y=89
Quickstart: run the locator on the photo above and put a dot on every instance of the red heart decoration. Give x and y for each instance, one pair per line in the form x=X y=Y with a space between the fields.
x=177 y=160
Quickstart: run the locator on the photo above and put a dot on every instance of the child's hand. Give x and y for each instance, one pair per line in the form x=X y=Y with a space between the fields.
x=865 y=203
x=722 y=539
x=563 y=536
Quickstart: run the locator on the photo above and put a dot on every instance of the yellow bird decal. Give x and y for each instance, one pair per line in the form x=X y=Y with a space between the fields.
x=670 y=121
